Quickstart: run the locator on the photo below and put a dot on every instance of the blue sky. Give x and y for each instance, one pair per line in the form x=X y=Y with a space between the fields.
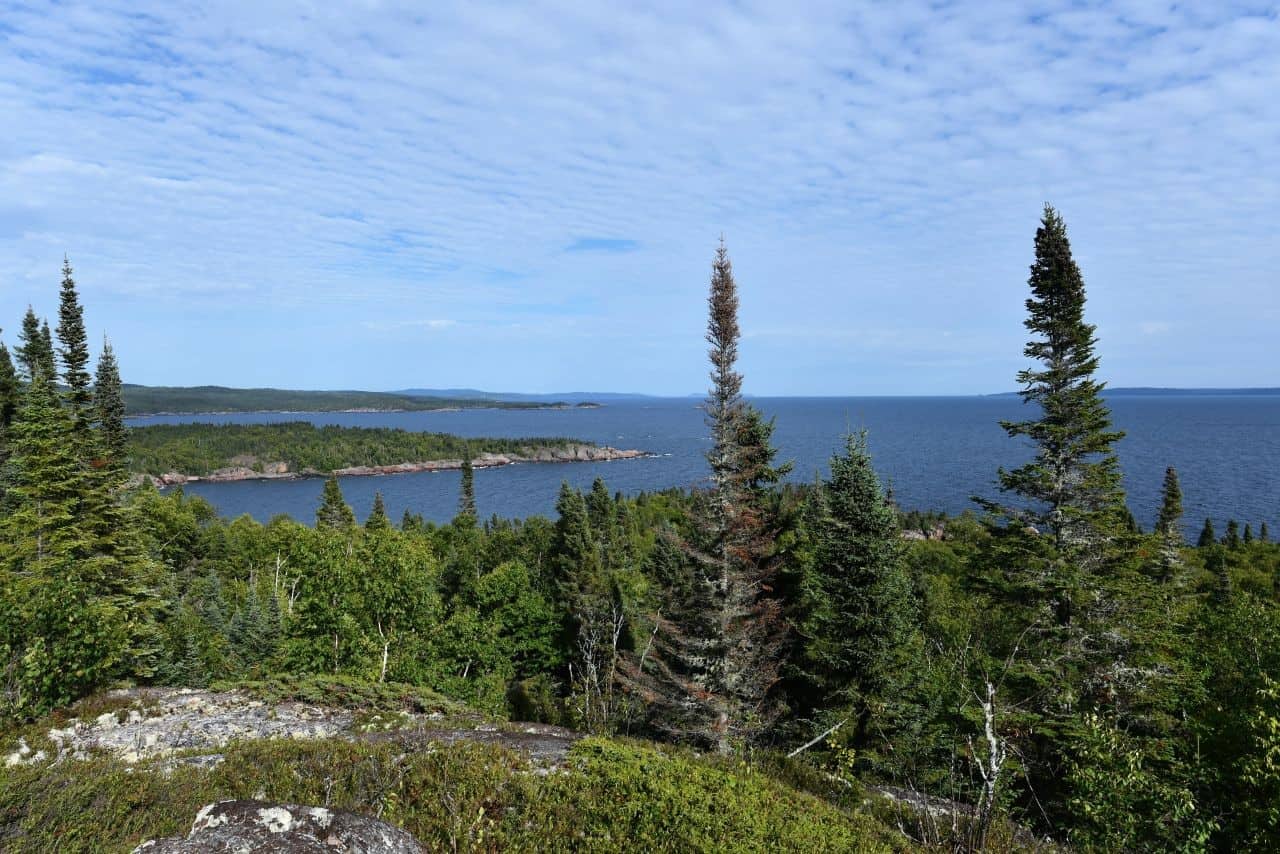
x=372 y=195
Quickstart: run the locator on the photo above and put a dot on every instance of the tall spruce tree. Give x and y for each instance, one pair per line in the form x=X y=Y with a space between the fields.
x=1169 y=525
x=1073 y=482
x=1248 y=533
x=713 y=671
x=856 y=615
x=1231 y=539
x=108 y=402
x=467 y=490
x=1263 y=534
x=334 y=512
x=73 y=350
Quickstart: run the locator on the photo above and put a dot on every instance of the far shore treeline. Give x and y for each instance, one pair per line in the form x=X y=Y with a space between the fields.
x=1040 y=667
x=173 y=400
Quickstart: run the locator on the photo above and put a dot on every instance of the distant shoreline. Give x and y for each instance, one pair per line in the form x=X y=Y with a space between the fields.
x=498 y=407
x=278 y=471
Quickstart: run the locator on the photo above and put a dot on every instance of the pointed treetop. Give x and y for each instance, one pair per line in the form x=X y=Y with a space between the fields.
x=108 y=403
x=1170 y=504
x=1207 y=535
x=377 y=520
x=334 y=511
x=73 y=350
x=467 y=489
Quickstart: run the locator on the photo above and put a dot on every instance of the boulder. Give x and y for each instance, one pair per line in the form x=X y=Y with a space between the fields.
x=235 y=826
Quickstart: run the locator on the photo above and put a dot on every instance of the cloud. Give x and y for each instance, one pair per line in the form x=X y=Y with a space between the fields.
x=392 y=325
x=602 y=244
x=873 y=166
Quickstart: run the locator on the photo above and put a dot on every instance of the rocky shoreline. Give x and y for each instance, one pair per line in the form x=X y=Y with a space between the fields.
x=245 y=468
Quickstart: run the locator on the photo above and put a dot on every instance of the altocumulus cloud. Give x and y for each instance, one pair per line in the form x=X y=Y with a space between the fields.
x=873 y=167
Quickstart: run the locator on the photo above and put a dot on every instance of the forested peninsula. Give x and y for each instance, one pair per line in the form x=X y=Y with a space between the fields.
x=181 y=400
x=177 y=453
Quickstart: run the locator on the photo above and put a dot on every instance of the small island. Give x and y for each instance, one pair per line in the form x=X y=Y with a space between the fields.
x=173 y=454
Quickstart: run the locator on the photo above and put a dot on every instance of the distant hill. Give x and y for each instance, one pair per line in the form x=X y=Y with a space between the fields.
x=1146 y=391
x=149 y=400
x=524 y=397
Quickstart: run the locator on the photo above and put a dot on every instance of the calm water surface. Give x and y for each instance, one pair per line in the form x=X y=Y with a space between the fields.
x=936 y=452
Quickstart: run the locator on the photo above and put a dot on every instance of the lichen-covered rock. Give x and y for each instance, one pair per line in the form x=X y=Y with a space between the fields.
x=244 y=826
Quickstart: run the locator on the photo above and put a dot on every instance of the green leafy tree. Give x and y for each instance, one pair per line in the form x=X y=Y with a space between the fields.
x=334 y=511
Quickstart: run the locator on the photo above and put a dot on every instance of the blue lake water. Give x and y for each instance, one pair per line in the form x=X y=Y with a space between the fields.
x=936 y=452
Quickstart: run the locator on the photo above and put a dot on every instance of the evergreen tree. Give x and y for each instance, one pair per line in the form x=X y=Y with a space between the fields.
x=9 y=389
x=1074 y=480
x=334 y=511
x=1248 y=533
x=49 y=482
x=1169 y=524
x=856 y=616
x=575 y=556
x=467 y=494
x=1263 y=534
x=108 y=400
x=45 y=352
x=714 y=673
x=1207 y=535
x=30 y=351
x=1231 y=539
x=74 y=350
x=377 y=520
x=1167 y=521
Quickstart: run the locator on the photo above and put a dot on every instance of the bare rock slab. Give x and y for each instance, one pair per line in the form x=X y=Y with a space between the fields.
x=244 y=826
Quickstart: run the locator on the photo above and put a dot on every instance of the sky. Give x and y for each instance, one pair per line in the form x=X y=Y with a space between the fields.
x=528 y=197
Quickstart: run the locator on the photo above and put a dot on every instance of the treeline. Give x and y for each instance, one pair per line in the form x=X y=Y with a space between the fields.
x=198 y=449
x=149 y=400
x=1041 y=660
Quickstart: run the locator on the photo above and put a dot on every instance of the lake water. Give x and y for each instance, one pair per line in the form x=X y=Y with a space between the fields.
x=935 y=451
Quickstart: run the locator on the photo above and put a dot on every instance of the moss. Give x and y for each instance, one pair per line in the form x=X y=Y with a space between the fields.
x=613 y=796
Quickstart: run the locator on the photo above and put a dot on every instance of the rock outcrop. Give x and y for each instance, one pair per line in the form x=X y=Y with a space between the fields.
x=236 y=826
x=198 y=724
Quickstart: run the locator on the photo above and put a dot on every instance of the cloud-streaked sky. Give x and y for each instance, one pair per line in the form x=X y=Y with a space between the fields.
x=527 y=197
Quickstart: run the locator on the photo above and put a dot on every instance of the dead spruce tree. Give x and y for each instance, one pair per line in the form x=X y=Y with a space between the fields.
x=711 y=664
